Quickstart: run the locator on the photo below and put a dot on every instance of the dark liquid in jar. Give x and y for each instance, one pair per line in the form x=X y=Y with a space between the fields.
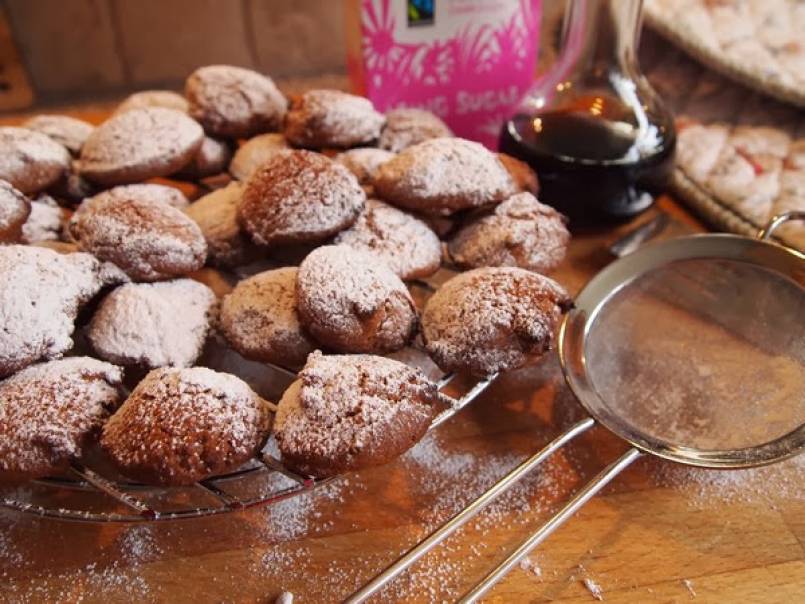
x=592 y=168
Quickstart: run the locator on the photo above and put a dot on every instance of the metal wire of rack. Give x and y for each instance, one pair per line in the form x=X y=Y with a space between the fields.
x=136 y=502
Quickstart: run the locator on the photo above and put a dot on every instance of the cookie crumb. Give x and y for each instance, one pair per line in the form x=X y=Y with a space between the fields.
x=689 y=586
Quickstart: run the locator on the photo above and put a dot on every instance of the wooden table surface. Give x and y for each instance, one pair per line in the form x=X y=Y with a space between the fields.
x=659 y=533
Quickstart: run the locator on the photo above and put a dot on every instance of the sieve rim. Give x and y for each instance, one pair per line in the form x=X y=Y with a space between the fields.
x=602 y=288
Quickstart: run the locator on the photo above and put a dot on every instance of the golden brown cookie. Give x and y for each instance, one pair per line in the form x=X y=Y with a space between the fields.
x=50 y=412
x=67 y=131
x=492 y=319
x=140 y=144
x=405 y=127
x=521 y=231
x=148 y=239
x=260 y=321
x=41 y=294
x=403 y=242
x=180 y=426
x=299 y=196
x=153 y=98
x=232 y=102
x=350 y=302
x=347 y=412
x=321 y=119
x=254 y=153
x=443 y=175
x=363 y=162
x=153 y=324
x=525 y=179
x=31 y=161
x=14 y=211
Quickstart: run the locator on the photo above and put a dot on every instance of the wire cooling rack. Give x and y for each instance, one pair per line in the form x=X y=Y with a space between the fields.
x=88 y=496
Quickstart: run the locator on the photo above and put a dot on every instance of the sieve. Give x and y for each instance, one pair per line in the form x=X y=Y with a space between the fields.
x=690 y=349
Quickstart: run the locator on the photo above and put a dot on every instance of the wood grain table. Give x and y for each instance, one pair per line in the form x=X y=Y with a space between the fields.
x=659 y=533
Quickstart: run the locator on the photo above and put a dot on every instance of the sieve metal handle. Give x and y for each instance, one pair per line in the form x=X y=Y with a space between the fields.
x=571 y=507
x=457 y=521
x=777 y=221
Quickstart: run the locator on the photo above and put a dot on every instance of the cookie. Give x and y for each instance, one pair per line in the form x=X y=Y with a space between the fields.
x=254 y=153
x=72 y=188
x=492 y=319
x=406 y=127
x=180 y=426
x=153 y=324
x=525 y=179
x=40 y=298
x=348 y=412
x=350 y=302
x=140 y=144
x=67 y=131
x=298 y=197
x=45 y=221
x=212 y=157
x=232 y=102
x=166 y=99
x=330 y=118
x=216 y=214
x=50 y=412
x=148 y=239
x=14 y=211
x=443 y=175
x=403 y=242
x=259 y=319
x=31 y=161
x=521 y=231
x=363 y=163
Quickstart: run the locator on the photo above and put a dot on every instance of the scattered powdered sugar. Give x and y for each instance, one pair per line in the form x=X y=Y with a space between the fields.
x=49 y=410
x=348 y=411
x=491 y=319
x=364 y=162
x=42 y=291
x=65 y=130
x=217 y=216
x=332 y=118
x=45 y=221
x=443 y=175
x=529 y=565
x=255 y=152
x=521 y=231
x=153 y=324
x=31 y=161
x=409 y=126
x=403 y=242
x=181 y=425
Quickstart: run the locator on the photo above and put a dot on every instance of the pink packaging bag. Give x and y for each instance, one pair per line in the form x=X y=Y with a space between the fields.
x=468 y=61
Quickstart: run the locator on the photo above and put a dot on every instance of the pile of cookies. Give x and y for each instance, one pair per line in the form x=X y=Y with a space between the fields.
x=105 y=307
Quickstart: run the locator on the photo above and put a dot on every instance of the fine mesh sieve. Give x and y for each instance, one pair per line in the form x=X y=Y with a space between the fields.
x=691 y=349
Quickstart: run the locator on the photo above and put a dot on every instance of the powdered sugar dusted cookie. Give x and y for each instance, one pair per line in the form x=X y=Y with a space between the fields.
x=348 y=412
x=39 y=301
x=217 y=216
x=140 y=144
x=698 y=148
x=166 y=99
x=442 y=176
x=363 y=163
x=405 y=127
x=212 y=158
x=521 y=231
x=525 y=179
x=14 y=211
x=350 y=302
x=67 y=131
x=330 y=118
x=44 y=222
x=299 y=196
x=31 y=161
x=51 y=411
x=148 y=239
x=492 y=319
x=403 y=242
x=232 y=102
x=259 y=319
x=254 y=153
x=153 y=324
x=180 y=426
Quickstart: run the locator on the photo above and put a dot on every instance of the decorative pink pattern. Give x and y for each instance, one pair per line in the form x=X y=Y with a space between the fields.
x=473 y=80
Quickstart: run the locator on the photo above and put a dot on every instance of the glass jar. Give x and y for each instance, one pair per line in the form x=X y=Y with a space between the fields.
x=596 y=133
